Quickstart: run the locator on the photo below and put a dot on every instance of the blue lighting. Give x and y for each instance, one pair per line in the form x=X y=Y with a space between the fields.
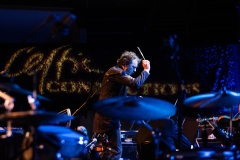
x=80 y=140
x=228 y=153
x=206 y=154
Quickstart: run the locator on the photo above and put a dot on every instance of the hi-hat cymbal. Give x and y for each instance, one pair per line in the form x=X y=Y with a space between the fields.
x=11 y=87
x=215 y=99
x=135 y=108
x=33 y=118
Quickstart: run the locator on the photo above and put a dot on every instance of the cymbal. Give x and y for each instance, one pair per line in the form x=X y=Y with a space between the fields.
x=61 y=132
x=134 y=108
x=16 y=88
x=215 y=99
x=33 y=118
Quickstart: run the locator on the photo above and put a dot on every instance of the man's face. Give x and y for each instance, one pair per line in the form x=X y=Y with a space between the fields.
x=131 y=68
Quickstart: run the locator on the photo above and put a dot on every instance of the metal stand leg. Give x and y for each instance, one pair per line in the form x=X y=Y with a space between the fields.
x=156 y=136
x=230 y=126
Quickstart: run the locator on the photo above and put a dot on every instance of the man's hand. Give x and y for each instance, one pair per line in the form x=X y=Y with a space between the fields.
x=146 y=65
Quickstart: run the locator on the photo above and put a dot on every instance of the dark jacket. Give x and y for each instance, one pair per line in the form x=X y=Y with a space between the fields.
x=114 y=84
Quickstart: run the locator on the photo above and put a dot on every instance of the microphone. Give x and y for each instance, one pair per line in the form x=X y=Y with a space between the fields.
x=91 y=143
x=123 y=72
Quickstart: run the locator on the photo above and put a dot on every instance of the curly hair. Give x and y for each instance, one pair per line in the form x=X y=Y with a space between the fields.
x=127 y=57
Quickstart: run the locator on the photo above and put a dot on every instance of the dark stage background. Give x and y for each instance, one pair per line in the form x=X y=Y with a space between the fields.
x=69 y=69
x=68 y=74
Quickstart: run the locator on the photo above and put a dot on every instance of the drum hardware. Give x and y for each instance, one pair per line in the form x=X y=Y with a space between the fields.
x=29 y=121
x=68 y=112
x=89 y=97
x=99 y=147
x=16 y=88
x=129 y=132
x=221 y=121
x=200 y=120
x=125 y=134
x=9 y=105
x=68 y=142
x=14 y=129
x=34 y=103
x=92 y=144
x=51 y=142
x=207 y=154
x=216 y=99
x=156 y=136
x=33 y=118
x=134 y=108
x=204 y=125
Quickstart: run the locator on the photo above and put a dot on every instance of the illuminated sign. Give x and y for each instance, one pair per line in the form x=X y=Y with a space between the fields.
x=165 y=89
x=51 y=70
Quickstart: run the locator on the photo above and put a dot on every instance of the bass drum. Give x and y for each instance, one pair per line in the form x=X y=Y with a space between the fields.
x=191 y=129
x=64 y=142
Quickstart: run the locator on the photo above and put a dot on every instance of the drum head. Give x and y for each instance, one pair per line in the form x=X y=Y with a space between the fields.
x=71 y=143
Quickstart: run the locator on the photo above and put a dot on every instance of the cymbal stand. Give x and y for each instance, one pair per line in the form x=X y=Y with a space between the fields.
x=32 y=99
x=181 y=93
x=46 y=21
x=89 y=97
x=205 y=135
x=156 y=136
x=130 y=129
x=68 y=112
x=85 y=102
x=230 y=125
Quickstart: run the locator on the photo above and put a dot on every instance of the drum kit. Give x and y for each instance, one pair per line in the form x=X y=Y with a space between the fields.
x=225 y=98
x=37 y=134
x=133 y=108
x=41 y=132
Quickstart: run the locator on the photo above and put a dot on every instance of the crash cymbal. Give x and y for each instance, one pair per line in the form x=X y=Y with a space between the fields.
x=134 y=108
x=33 y=118
x=11 y=87
x=215 y=99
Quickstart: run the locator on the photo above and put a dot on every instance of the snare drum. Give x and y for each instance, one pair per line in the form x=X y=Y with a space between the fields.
x=69 y=143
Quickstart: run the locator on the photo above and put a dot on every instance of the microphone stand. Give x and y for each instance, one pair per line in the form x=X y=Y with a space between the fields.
x=90 y=97
x=49 y=19
x=181 y=93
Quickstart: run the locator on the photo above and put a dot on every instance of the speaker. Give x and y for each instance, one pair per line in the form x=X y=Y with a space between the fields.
x=129 y=151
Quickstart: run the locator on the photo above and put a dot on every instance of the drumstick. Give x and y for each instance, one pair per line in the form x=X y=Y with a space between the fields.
x=141 y=52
